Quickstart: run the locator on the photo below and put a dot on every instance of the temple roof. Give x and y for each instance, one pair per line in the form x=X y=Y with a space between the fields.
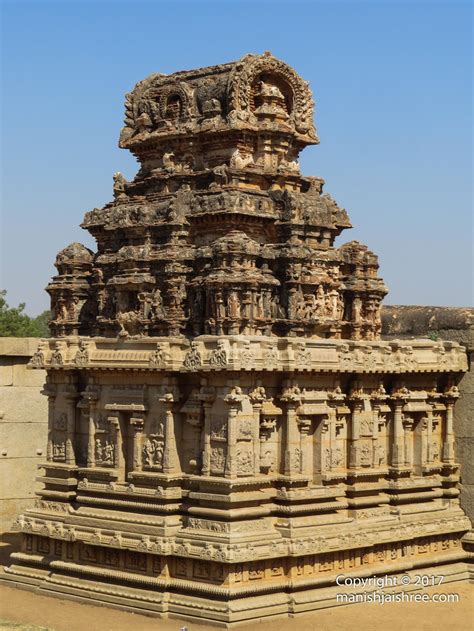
x=233 y=95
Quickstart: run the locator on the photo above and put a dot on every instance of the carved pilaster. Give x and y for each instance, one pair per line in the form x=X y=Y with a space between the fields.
x=233 y=400
x=88 y=405
x=50 y=391
x=114 y=422
x=71 y=399
x=206 y=456
x=137 y=423
x=304 y=426
x=398 y=446
x=354 y=455
x=170 y=453
x=292 y=447
x=448 y=448
x=426 y=433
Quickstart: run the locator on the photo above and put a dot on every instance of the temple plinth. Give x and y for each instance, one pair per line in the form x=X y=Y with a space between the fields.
x=227 y=431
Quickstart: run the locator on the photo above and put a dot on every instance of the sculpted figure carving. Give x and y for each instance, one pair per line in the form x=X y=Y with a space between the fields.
x=156 y=307
x=238 y=161
x=119 y=185
x=233 y=305
x=57 y=356
x=38 y=359
x=153 y=452
x=247 y=356
x=193 y=358
x=158 y=357
x=82 y=354
x=61 y=311
x=303 y=355
x=220 y=308
x=271 y=357
x=218 y=357
x=168 y=162
x=356 y=310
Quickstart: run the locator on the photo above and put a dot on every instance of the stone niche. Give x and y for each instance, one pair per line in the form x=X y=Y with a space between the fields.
x=227 y=431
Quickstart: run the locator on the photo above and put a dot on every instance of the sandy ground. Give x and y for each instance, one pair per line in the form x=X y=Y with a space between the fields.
x=19 y=607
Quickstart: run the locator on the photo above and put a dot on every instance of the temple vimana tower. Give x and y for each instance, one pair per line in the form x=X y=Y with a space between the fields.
x=227 y=431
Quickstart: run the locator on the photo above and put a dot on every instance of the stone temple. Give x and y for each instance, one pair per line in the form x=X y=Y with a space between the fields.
x=227 y=431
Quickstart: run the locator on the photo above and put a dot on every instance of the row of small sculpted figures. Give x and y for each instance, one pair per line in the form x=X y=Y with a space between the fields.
x=252 y=305
x=266 y=355
x=296 y=207
x=370 y=454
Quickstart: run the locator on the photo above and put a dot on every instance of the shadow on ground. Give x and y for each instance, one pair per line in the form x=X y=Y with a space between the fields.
x=9 y=626
x=9 y=542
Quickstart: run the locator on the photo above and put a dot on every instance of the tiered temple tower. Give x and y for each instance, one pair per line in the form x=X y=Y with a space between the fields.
x=227 y=431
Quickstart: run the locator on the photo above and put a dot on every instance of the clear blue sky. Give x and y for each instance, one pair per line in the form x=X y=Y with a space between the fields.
x=392 y=84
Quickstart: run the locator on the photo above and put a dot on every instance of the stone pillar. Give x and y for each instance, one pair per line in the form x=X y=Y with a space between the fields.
x=71 y=397
x=91 y=437
x=89 y=405
x=426 y=425
x=114 y=422
x=50 y=391
x=170 y=454
x=304 y=426
x=292 y=462
x=409 y=437
x=233 y=401
x=448 y=448
x=428 y=457
x=398 y=446
x=257 y=410
x=206 y=454
x=354 y=449
x=137 y=423
x=192 y=411
x=267 y=427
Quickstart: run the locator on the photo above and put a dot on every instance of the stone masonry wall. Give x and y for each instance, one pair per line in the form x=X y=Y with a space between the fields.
x=23 y=426
x=23 y=409
x=445 y=323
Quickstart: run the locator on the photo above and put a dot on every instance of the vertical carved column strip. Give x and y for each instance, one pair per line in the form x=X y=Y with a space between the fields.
x=50 y=391
x=71 y=398
x=398 y=448
x=448 y=448
x=257 y=410
x=91 y=436
x=231 y=459
x=354 y=449
x=114 y=422
x=137 y=424
x=90 y=398
x=170 y=454
x=206 y=454
x=428 y=434
x=292 y=449
x=304 y=425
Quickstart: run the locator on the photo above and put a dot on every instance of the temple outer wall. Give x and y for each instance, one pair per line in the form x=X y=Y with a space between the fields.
x=23 y=426
x=23 y=409
x=445 y=323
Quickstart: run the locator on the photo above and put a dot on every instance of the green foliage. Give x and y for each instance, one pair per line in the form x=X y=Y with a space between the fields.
x=15 y=323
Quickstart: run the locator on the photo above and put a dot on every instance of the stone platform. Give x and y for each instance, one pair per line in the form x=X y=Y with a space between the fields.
x=189 y=495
